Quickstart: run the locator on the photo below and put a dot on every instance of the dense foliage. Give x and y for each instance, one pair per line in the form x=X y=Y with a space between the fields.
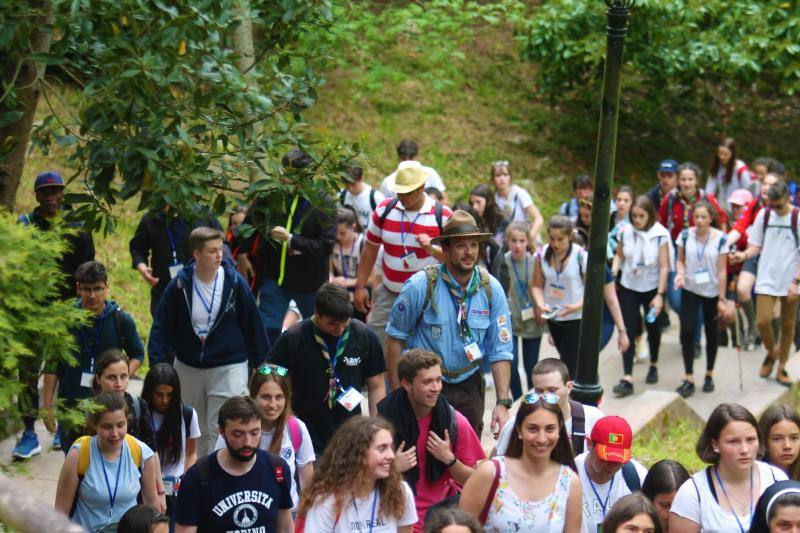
x=33 y=323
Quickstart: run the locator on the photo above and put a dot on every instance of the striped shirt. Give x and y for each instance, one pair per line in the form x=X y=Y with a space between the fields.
x=398 y=237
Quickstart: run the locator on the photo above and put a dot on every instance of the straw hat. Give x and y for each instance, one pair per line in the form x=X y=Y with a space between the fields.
x=408 y=179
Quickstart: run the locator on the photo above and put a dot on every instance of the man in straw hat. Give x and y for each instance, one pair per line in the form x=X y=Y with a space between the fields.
x=460 y=312
x=404 y=227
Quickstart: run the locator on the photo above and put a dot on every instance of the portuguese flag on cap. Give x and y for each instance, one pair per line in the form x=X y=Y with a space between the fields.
x=616 y=438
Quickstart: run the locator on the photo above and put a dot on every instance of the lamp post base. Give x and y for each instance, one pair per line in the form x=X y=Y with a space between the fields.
x=587 y=393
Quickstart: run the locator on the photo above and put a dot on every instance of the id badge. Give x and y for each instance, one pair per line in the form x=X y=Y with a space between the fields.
x=410 y=260
x=86 y=379
x=702 y=277
x=350 y=399
x=527 y=313
x=473 y=351
x=174 y=269
x=556 y=292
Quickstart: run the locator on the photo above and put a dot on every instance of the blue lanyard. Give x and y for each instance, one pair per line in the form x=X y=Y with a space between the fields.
x=702 y=251
x=207 y=306
x=111 y=497
x=172 y=242
x=522 y=287
x=403 y=230
x=372 y=514
x=563 y=264
x=725 y=492
x=88 y=349
x=603 y=506
x=341 y=257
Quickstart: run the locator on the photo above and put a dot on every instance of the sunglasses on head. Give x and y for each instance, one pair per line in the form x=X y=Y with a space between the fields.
x=266 y=370
x=547 y=397
x=585 y=203
x=500 y=163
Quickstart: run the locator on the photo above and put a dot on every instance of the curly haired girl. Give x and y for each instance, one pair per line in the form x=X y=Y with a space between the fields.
x=357 y=482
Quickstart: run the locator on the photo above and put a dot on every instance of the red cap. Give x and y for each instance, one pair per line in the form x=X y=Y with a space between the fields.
x=612 y=438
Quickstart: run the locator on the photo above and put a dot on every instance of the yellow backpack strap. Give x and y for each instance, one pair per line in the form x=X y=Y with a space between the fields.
x=136 y=450
x=84 y=454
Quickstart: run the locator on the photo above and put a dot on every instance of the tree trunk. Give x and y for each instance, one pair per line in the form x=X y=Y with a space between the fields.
x=28 y=90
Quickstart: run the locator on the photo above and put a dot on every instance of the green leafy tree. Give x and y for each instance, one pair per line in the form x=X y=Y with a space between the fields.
x=695 y=69
x=173 y=103
x=33 y=323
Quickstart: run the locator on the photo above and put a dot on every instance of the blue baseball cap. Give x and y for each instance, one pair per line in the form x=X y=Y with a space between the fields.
x=48 y=179
x=668 y=165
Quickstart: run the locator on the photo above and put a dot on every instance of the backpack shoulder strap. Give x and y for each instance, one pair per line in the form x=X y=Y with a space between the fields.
x=372 y=203
x=631 y=477
x=276 y=467
x=437 y=213
x=795 y=212
x=492 y=491
x=391 y=205
x=578 y=426
x=187 y=413
x=486 y=282
x=136 y=450
x=432 y=275
x=295 y=434
x=342 y=194
x=84 y=454
x=767 y=211
x=121 y=334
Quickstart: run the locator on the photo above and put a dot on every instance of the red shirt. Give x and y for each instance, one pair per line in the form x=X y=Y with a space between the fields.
x=748 y=217
x=674 y=221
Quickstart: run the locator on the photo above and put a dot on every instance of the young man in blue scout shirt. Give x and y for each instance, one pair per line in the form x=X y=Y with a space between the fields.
x=111 y=327
x=460 y=312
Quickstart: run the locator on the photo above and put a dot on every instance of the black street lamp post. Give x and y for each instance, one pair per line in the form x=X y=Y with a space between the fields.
x=587 y=389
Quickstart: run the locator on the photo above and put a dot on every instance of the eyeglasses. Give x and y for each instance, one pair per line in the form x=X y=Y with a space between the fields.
x=91 y=290
x=503 y=163
x=266 y=370
x=547 y=397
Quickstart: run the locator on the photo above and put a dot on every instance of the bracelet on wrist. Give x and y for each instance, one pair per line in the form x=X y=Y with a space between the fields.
x=451 y=463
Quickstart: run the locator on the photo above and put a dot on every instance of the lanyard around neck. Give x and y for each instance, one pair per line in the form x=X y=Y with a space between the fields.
x=112 y=497
x=603 y=505
x=208 y=306
x=372 y=514
x=725 y=492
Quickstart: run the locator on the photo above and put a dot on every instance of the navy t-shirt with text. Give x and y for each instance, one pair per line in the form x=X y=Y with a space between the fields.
x=249 y=502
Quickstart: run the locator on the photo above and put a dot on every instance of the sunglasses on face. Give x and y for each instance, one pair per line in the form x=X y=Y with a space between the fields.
x=547 y=397
x=266 y=370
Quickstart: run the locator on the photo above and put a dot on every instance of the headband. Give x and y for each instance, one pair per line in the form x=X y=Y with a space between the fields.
x=777 y=495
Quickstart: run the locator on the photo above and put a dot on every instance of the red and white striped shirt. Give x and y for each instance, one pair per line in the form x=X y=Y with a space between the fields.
x=399 y=238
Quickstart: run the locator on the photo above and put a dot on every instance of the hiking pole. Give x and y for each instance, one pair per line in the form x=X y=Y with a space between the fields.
x=738 y=346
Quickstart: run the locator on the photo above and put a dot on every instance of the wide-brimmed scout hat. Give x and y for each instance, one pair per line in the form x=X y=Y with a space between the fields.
x=408 y=179
x=461 y=224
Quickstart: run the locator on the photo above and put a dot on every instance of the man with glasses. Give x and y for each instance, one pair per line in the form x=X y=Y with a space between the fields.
x=436 y=446
x=208 y=317
x=49 y=214
x=331 y=359
x=110 y=327
x=774 y=238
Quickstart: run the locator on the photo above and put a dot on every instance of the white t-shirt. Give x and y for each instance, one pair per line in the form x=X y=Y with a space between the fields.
x=434 y=180
x=706 y=512
x=700 y=258
x=360 y=202
x=565 y=287
x=610 y=492
x=515 y=203
x=305 y=452
x=740 y=180
x=176 y=470
x=356 y=515
x=641 y=251
x=592 y=414
x=206 y=300
x=777 y=264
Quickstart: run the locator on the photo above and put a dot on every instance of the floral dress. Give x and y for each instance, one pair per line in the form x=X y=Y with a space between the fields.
x=509 y=513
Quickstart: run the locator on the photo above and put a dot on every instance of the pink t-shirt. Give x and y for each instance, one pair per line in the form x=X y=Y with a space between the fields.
x=468 y=450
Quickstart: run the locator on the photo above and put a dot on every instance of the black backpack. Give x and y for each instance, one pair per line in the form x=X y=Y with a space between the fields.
x=372 y=203
x=437 y=212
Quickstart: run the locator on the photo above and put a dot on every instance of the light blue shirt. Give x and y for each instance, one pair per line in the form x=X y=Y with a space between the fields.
x=438 y=329
x=92 y=510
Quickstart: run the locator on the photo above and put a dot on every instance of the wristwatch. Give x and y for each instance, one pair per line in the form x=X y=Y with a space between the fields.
x=505 y=403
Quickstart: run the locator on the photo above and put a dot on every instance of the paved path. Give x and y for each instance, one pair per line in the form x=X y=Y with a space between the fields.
x=41 y=472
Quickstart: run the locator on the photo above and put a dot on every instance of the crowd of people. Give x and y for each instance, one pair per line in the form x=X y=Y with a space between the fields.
x=329 y=374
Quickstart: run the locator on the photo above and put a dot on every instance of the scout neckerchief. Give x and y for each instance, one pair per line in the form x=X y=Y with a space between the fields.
x=285 y=245
x=687 y=206
x=333 y=381
x=462 y=303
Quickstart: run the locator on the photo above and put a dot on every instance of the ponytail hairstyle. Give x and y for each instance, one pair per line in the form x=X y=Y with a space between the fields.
x=518 y=226
x=256 y=382
x=564 y=225
x=730 y=144
x=106 y=359
x=106 y=402
x=712 y=213
x=169 y=439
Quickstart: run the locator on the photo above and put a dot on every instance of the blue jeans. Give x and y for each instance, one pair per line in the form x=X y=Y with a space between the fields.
x=530 y=356
x=273 y=301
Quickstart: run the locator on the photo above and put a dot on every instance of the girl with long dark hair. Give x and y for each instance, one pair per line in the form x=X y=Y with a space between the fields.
x=491 y=218
x=779 y=429
x=661 y=484
x=727 y=173
x=538 y=489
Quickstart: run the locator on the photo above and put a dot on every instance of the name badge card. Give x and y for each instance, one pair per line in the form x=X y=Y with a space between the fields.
x=350 y=399
x=410 y=260
x=557 y=292
x=702 y=277
x=86 y=379
x=174 y=269
x=473 y=351
x=527 y=313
